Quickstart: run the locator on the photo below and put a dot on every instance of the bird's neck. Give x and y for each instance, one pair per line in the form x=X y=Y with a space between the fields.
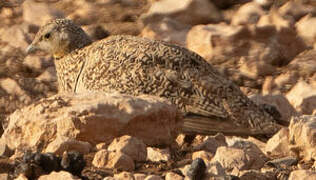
x=68 y=68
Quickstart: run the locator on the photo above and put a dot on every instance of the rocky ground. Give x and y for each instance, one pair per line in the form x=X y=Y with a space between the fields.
x=268 y=49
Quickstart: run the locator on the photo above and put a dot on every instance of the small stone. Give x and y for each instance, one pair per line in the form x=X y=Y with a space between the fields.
x=173 y=176
x=206 y=156
x=139 y=176
x=216 y=169
x=304 y=30
x=124 y=176
x=49 y=75
x=62 y=144
x=117 y=160
x=47 y=161
x=4 y=176
x=21 y=177
x=303 y=97
x=254 y=69
x=302 y=174
x=109 y=178
x=180 y=139
x=73 y=162
x=4 y=149
x=302 y=136
x=157 y=155
x=185 y=11
x=153 y=177
x=234 y=158
x=211 y=143
x=130 y=146
x=252 y=174
x=248 y=13
x=197 y=169
x=44 y=12
x=278 y=145
x=168 y=30
x=101 y=146
x=58 y=175
x=283 y=162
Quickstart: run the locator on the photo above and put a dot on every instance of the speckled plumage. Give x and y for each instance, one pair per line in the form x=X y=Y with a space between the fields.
x=134 y=65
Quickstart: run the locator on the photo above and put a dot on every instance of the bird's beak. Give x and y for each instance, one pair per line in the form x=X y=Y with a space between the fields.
x=31 y=49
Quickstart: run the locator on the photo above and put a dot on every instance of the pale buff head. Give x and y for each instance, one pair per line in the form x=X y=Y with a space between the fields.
x=59 y=37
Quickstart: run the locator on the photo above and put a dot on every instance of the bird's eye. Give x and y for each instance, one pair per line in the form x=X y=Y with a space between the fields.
x=47 y=35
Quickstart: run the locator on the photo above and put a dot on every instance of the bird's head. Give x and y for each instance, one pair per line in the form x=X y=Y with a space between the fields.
x=59 y=37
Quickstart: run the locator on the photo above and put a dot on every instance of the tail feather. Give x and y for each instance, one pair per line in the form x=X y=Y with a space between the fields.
x=214 y=125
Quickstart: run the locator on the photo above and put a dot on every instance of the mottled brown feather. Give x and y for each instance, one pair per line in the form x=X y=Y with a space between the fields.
x=134 y=65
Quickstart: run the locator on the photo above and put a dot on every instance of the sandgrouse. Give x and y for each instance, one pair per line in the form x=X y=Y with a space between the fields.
x=135 y=65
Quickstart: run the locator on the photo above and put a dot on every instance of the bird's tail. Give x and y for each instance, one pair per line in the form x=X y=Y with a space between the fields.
x=195 y=124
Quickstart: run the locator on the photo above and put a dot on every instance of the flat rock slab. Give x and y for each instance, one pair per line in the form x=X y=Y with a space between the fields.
x=93 y=118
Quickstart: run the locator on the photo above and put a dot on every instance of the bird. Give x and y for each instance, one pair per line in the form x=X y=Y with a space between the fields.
x=210 y=102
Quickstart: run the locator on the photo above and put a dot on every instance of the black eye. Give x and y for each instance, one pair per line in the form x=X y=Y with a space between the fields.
x=47 y=35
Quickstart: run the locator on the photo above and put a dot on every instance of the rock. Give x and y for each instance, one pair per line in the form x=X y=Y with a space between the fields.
x=219 y=42
x=280 y=102
x=304 y=30
x=139 y=176
x=230 y=158
x=130 y=146
x=4 y=176
x=38 y=63
x=109 y=178
x=101 y=146
x=49 y=75
x=85 y=13
x=215 y=169
x=283 y=162
x=197 y=169
x=303 y=97
x=278 y=145
x=180 y=140
x=58 y=175
x=73 y=162
x=62 y=144
x=13 y=87
x=158 y=155
x=296 y=10
x=28 y=170
x=211 y=143
x=304 y=65
x=4 y=149
x=252 y=174
x=153 y=177
x=274 y=18
x=248 y=13
x=21 y=177
x=251 y=149
x=96 y=32
x=85 y=117
x=302 y=136
x=117 y=160
x=186 y=11
x=16 y=36
x=302 y=174
x=124 y=176
x=168 y=30
x=206 y=156
x=44 y=12
x=253 y=69
x=173 y=176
